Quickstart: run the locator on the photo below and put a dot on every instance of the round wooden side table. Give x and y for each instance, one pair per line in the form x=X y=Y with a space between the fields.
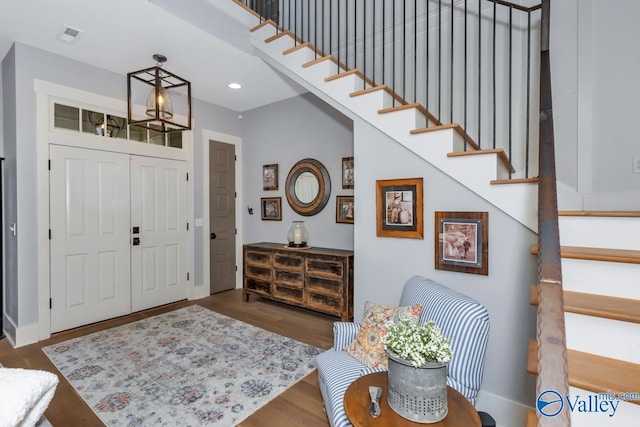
x=357 y=402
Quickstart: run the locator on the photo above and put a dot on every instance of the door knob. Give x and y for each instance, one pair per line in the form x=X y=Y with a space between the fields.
x=213 y=236
x=136 y=241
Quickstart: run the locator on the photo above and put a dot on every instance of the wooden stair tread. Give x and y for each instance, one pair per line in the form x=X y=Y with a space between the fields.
x=371 y=89
x=532 y=419
x=321 y=59
x=596 y=254
x=398 y=108
x=342 y=74
x=260 y=25
x=515 y=181
x=592 y=372
x=624 y=309
x=499 y=151
x=614 y=214
x=433 y=128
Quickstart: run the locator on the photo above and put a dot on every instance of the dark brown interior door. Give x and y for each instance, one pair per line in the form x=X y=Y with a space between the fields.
x=222 y=214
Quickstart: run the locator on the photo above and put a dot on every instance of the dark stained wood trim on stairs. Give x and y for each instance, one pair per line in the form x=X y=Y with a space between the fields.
x=499 y=151
x=594 y=373
x=623 y=309
x=596 y=254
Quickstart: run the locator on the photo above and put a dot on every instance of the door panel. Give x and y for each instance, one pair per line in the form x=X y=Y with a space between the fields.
x=159 y=208
x=222 y=212
x=90 y=255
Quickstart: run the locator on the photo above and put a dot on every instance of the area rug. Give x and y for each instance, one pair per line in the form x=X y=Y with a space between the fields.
x=187 y=367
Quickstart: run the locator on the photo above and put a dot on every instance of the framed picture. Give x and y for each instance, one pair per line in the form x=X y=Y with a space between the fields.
x=271 y=208
x=270 y=177
x=347 y=172
x=344 y=209
x=399 y=208
x=461 y=240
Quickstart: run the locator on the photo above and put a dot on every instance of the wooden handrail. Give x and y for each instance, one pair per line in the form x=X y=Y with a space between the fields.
x=552 y=348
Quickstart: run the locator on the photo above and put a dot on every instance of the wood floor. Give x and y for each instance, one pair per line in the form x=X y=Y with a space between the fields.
x=300 y=405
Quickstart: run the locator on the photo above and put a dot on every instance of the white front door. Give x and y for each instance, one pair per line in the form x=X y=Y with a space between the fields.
x=90 y=252
x=159 y=209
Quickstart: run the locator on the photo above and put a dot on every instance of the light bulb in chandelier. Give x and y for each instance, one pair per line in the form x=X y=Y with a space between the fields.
x=165 y=106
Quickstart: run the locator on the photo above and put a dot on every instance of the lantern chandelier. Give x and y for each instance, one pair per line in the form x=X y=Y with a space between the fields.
x=164 y=93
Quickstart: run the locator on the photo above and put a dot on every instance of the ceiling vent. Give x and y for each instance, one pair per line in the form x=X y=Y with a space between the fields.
x=69 y=34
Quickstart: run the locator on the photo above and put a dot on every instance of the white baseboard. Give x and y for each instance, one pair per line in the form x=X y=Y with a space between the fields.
x=507 y=413
x=20 y=336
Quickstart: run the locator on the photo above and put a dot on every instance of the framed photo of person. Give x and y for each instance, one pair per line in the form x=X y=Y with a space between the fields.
x=347 y=172
x=344 y=209
x=399 y=208
x=461 y=240
x=271 y=208
x=270 y=177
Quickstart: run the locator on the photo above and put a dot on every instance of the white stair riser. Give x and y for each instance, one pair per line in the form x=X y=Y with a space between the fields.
x=340 y=88
x=371 y=100
x=605 y=337
x=398 y=123
x=300 y=56
x=626 y=414
x=615 y=279
x=600 y=232
x=280 y=44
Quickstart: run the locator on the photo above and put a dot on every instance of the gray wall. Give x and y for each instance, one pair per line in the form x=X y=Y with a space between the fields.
x=383 y=264
x=284 y=133
x=595 y=90
x=24 y=64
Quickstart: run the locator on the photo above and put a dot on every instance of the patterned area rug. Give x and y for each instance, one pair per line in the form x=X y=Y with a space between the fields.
x=188 y=367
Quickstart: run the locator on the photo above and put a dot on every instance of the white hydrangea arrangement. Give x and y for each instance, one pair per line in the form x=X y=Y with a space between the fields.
x=417 y=344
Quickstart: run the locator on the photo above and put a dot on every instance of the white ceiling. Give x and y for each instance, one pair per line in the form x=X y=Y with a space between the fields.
x=204 y=40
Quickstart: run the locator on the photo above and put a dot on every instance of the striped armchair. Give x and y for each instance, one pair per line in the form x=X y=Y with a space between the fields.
x=464 y=321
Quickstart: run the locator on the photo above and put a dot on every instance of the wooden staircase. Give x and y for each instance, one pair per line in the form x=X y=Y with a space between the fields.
x=446 y=147
x=601 y=278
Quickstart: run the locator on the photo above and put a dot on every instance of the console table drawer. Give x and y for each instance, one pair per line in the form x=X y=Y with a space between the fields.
x=257 y=286
x=288 y=261
x=258 y=272
x=326 y=303
x=258 y=258
x=324 y=285
x=290 y=278
x=288 y=293
x=325 y=267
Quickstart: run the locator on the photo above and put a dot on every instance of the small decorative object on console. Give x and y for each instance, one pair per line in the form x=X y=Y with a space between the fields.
x=298 y=236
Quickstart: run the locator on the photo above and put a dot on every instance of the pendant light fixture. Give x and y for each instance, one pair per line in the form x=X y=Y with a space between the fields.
x=165 y=93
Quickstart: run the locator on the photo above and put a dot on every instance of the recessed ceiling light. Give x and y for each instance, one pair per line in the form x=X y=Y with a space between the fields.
x=235 y=85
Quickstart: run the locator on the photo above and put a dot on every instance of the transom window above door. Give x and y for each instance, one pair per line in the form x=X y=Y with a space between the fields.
x=110 y=126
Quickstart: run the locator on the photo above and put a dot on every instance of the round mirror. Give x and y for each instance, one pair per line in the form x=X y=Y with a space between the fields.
x=308 y=187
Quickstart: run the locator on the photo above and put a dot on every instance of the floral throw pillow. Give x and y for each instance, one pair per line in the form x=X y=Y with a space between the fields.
x=367 y=347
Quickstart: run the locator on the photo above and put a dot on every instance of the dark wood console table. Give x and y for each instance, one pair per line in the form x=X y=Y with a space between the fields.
x=319 y=279
x=357 y=402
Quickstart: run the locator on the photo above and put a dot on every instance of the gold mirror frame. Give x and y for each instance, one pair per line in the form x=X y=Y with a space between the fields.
x=324 y=187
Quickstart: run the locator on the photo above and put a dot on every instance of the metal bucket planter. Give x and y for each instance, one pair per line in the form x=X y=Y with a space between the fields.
x=417 y=394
